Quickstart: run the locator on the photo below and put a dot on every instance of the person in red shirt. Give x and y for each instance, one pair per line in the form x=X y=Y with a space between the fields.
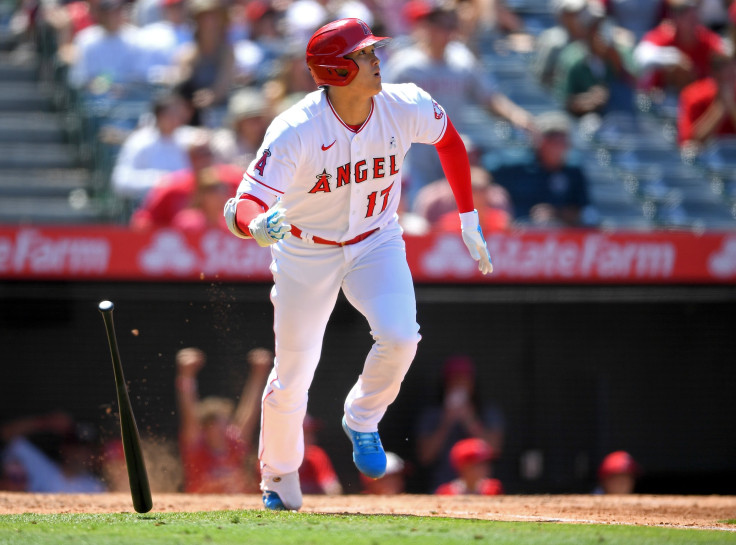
x=204 y=211
x=472 y=458
x=678 y=51
x=216 y=438
x=707 y=108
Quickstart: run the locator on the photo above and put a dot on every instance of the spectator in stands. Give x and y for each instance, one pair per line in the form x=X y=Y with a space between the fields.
x=708 y=106
x=30 y=468
x=216 y=439
x=248 y=117
x=545 y=188
x=552 y=40
x=316 y=474
x=435 y=203
x=175 y=190
x=448 y=71
x=471 y=459
x=617 y=474
x=162 y=40
x=393 y=482
x=207 y=65
x=459 y=415
x=153 y=150
x=107 y=57
x=678 y=51
x=595 y=74
x=205 y=209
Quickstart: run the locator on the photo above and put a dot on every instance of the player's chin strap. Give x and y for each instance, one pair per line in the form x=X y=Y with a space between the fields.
x=474 y=240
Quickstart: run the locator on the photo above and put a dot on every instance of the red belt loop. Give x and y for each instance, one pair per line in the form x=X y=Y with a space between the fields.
x=319 y=240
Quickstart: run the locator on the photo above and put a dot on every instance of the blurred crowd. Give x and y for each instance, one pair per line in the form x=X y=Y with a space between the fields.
x=458 y=438
x=175 y=95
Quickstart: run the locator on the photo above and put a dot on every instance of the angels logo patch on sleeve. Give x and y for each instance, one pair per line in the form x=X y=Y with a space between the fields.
x=261 y=164
x=438 y=111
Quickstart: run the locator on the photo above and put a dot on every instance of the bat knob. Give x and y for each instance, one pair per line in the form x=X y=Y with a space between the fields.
x=105 y=306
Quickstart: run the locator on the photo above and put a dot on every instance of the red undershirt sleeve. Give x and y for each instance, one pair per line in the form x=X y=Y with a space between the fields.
x=455 y=165
x=248 y=208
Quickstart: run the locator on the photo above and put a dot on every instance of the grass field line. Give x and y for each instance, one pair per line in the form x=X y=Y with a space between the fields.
x=502 y=516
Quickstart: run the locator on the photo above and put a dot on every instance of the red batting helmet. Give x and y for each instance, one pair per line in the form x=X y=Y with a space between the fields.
x=328 y=46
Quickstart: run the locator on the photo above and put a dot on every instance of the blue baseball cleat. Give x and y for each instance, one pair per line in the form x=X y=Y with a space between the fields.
x=368 y=453
x=272 y=501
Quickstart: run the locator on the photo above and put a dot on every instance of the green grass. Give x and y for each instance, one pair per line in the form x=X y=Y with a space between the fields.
x=262 y=527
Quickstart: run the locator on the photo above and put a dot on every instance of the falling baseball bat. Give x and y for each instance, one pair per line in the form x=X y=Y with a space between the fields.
x=140 y=490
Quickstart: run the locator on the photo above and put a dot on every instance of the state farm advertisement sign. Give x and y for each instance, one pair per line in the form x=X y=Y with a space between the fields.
x=567 y=256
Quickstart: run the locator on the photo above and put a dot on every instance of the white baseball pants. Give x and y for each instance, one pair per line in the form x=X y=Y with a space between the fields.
x=376 y=280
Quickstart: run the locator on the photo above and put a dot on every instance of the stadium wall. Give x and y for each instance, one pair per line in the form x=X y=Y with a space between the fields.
x=578 y=371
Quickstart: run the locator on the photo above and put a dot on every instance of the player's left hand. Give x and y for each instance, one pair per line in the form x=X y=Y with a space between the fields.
x=474 y=240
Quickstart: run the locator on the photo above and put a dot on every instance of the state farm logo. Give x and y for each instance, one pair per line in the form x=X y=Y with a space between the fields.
x=593 y=256
x=723 y=262
x=168 y=253
x=31 y=251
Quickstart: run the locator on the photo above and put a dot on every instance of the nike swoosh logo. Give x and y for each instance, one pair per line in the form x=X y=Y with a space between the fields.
x=325 y=148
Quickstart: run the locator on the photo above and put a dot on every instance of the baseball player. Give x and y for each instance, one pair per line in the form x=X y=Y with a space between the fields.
x=323 y=192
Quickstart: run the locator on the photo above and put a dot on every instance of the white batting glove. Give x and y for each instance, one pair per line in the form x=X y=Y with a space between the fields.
x=269 y=227
x=474 y=240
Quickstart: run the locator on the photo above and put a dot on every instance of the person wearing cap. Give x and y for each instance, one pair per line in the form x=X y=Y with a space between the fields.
x=678 y=51
x=617 y=474
x=595 y=74
x=546 y=189
x=460 y=415
x=449 y=71
x=248 y=116
x=471 y=458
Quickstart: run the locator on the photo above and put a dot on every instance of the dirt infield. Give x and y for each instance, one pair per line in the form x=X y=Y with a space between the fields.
x=675 y=511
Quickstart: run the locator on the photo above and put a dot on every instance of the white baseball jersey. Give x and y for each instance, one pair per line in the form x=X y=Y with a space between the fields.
x=336 y=182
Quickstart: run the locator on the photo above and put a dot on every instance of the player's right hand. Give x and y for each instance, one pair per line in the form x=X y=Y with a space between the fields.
x=474 y=240
x=269 y=227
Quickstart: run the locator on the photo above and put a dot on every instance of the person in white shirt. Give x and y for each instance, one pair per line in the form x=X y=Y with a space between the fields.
x=153 y=150
x=107 y=56
x=162 y=41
